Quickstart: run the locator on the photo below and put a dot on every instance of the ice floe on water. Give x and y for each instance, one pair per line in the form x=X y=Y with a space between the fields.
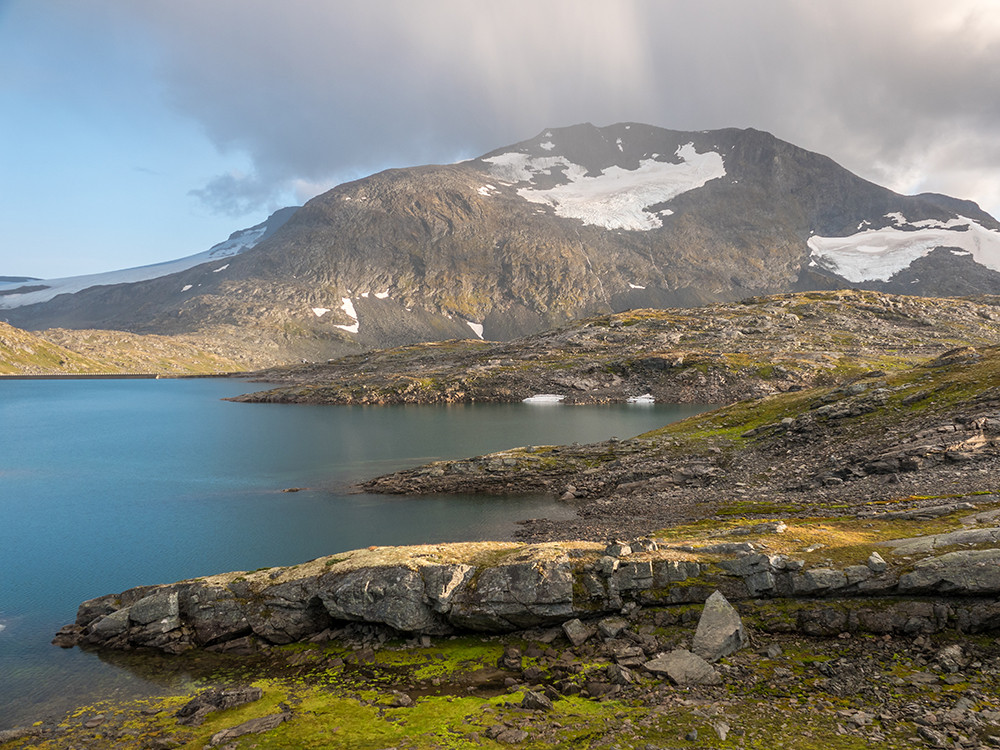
x=616 y=198
x=646 y=398
x=543 y=398
x=878 y=254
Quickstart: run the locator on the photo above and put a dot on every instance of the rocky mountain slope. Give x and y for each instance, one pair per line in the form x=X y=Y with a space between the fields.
x=711 y=354
x=76 y=352
x=574 y=222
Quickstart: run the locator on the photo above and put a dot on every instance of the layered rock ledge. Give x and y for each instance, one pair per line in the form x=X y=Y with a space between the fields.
x=502 y=587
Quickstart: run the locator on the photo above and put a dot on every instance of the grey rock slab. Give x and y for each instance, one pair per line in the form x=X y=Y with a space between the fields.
x=393 y=595
x=925 y=544
x=109 y=626
x=536 y=701
x=720 y=630
x=159 y=606
x=253 y=726
x=441 y=582
x=818 y=581
x=515 y=596
x=967 y=572
x=684 y=668
x=577 y=631
x=674 y=571
x=610 y=627
x=214 y=615
x=619 y=675
x=193 y=712
x=876 y=564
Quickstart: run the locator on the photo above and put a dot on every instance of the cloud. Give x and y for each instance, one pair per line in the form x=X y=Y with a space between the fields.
x=902 y=91
x=235 y=194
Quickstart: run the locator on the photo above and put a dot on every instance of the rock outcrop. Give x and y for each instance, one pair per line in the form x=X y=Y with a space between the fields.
x=493 y=587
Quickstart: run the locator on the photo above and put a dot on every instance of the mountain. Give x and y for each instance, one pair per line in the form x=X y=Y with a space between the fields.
x=18 y=291
x=577 y=221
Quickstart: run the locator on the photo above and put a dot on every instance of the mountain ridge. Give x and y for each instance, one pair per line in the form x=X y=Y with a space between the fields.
x=576 y=221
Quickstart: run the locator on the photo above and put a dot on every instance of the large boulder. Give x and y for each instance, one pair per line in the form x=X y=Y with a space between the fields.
x=684 y=668
x=720 y=630
x=513 y=596
x=391 y=595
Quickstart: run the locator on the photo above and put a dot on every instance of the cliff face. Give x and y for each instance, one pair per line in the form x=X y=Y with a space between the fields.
x=576 y=221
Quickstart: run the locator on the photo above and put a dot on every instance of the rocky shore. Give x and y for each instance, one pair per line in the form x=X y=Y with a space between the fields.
x=839 y=543
x=731 y=634
x=713 y=354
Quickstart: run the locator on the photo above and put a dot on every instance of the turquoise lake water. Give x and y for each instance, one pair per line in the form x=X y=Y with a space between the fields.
x=109 y=484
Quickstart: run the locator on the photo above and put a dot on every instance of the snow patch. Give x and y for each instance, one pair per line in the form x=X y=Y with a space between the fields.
x=220 y=268
x=348 y=307
x=635 y=286
x=487 y=190
x=319 y=312
x=477 y=328
x=381 y=295
x=364 y=294
x=619 y=144
x=185 y=287
x=543 y=398
x=877 y=254
x=517 y=167
x=617 y=198
x=237 y=243
x=547 y=145
x=646 y=398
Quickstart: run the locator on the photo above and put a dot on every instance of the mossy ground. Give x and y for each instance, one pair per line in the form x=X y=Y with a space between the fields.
x=814 y=693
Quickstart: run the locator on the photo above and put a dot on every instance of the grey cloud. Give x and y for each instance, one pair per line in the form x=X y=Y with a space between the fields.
x=892 y=89
x=237 y=195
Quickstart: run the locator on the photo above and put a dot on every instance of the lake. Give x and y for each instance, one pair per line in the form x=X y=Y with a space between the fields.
x=109 y=484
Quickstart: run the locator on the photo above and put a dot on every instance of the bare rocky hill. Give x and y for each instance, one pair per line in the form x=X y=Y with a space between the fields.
x=575 y=222
x=711 y=354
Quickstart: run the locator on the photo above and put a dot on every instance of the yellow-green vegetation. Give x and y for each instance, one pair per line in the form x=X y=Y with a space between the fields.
x=82 y=352
x=809 y=694
x=22 y=353
x=823 y=539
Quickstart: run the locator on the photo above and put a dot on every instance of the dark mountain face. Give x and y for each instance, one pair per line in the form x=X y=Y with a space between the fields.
x=575 y=221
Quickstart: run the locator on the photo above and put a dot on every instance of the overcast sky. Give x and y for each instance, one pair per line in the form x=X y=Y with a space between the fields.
x=137 y=131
